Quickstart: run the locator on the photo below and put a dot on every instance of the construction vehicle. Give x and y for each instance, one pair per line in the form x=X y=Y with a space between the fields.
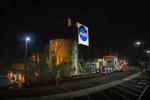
x=107 y=65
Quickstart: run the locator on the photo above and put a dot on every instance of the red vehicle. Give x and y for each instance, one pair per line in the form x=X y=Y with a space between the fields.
x=112 y=63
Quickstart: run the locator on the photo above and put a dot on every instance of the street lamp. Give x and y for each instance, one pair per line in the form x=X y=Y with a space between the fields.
x=138 y=43
x=147 y=51
x=27 y=39
x=148 y=54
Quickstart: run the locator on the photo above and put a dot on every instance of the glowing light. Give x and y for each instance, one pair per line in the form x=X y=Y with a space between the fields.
x=148 y=51
x=138 y=43
x=36 y=74
x=27 y=39
x=23 y=79
x=20 y=77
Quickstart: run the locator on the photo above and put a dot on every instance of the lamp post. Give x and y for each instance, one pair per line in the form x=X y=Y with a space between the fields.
x=138 y=44
x=147 y=51
x=27 y=39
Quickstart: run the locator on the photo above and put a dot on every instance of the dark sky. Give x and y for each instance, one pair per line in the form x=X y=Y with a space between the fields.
x=111 y=25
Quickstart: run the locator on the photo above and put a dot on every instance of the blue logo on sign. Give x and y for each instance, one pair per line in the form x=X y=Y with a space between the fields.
x=83 y=33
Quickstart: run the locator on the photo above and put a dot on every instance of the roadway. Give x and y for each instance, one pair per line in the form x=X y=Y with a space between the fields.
x=66 y=87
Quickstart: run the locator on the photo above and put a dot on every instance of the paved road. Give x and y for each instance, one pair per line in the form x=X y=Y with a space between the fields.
x=130 y=90
x=66 y=87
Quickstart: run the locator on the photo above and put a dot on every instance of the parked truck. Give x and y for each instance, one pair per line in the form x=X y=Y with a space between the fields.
x=107 y=65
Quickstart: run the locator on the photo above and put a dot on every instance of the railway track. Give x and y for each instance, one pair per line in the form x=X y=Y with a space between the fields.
x=130 y=90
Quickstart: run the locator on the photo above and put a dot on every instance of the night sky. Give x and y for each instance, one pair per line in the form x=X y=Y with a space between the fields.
x=111 y=25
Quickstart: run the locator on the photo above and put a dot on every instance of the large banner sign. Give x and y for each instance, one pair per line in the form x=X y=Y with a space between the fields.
x=83 y=35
